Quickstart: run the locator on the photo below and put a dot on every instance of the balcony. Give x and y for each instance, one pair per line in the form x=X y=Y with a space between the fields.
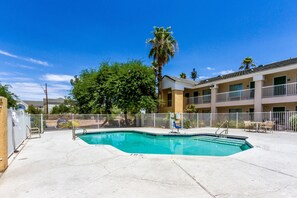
x=199 y=100
x=289 y=89
x=246 y=94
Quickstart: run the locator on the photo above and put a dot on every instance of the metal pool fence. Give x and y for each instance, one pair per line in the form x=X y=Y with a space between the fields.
x=284 y=121
x=17 y=122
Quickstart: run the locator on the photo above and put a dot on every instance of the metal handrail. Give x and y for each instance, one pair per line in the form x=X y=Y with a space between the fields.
x=286 y=84
x=242 y=90
x=226 y=130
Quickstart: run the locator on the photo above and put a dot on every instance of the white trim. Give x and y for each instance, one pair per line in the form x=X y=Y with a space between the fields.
x=265 y=72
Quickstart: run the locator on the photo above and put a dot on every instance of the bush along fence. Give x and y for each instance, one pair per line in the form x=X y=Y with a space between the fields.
x=283 y=121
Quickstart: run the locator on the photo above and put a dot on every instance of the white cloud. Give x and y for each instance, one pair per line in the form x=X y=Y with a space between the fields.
x=57 y=77
x=34 y=91
x=32 y=60
x=210 y=68
x=8 y=54
x=224 y=72
x=19 y=65
x=4 y=73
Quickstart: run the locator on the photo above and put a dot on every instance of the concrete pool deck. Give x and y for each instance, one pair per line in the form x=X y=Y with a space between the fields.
x=56 y=166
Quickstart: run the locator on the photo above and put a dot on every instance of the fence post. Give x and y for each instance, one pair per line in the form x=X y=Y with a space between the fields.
x=3 y=134
x=182 y=121
x=270 y=116
x=197 y=120
x=154 y=120
x=41 y=123
x=237 y=120
x=210 y=120
x=72 y=117
x=98 y=118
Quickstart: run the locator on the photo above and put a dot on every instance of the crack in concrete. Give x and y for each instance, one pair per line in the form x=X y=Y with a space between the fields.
x=193 y=178
x=276 y=171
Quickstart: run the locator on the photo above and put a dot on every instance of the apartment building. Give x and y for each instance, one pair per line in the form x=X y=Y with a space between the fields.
x=266 y=88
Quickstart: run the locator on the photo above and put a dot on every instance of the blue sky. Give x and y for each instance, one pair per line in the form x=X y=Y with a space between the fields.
x=50 y=41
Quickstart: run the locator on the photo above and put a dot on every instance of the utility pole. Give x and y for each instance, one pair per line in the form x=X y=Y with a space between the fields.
x=46 y=99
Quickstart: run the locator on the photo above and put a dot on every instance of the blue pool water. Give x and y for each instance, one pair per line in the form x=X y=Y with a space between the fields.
x=134 y=142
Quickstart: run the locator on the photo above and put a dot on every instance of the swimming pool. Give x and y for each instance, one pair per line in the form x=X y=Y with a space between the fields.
x=138 y=142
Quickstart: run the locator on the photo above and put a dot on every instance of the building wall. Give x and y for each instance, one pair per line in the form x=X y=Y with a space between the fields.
x=178 y=100
x=225 y=86
x=226 y=109
x=269 y=79
x=289 y=106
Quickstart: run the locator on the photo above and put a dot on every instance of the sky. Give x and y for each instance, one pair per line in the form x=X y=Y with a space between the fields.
x=50 y=41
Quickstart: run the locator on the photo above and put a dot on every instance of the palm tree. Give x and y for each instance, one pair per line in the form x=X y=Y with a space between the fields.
x=247 y=63
x=155 y=67
x=163 y=48
x=183 y=75
x=194 y=74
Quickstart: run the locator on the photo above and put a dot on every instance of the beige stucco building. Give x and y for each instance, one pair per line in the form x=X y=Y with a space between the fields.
x=271 y=87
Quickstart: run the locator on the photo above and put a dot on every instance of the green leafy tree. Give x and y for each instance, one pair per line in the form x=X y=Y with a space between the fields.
x=11 y=97
x=33 y=110
x=190 y=108
x=194 y=74
x=183 y=75
x=60 y=109
x=128 y=86
x=247 y=64
x=163 y=48
x=135 y=88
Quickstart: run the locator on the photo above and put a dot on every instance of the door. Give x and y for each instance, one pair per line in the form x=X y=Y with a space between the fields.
x=195 y=94
x=206 y=95
x=280 y=86
x=279 y=115
x=252 y=87
x=251 y=113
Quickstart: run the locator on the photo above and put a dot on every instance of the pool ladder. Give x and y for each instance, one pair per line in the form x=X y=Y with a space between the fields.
x=220 y=134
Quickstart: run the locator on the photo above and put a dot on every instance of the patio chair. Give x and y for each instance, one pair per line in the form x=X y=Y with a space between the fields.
x=267 y=125
x=34 y=130
x=248 y=125
x=176 y=126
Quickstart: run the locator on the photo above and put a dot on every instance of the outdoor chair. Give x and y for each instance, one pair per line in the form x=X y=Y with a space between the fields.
x=248 y=125
x=176 y=126
x=34 y=130
x=267 y=125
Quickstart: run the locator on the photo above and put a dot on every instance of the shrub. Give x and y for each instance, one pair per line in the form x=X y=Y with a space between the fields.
x=70 y=124
x=293 y=122
x=187 y=124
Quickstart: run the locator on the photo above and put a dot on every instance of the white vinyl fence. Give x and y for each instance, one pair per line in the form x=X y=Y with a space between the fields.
x=17 y=130
x=284 y=121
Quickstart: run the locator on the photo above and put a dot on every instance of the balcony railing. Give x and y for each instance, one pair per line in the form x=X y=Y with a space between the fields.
x=198 y=99
x=245 y=94
x=289 y=89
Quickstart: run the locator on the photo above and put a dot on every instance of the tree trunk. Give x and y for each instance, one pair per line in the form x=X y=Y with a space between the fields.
x=159 y=87
x=126 y=118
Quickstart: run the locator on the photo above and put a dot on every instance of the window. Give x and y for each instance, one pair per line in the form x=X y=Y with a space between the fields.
x=187 y=95
x=235 y=91
x=169 y=100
